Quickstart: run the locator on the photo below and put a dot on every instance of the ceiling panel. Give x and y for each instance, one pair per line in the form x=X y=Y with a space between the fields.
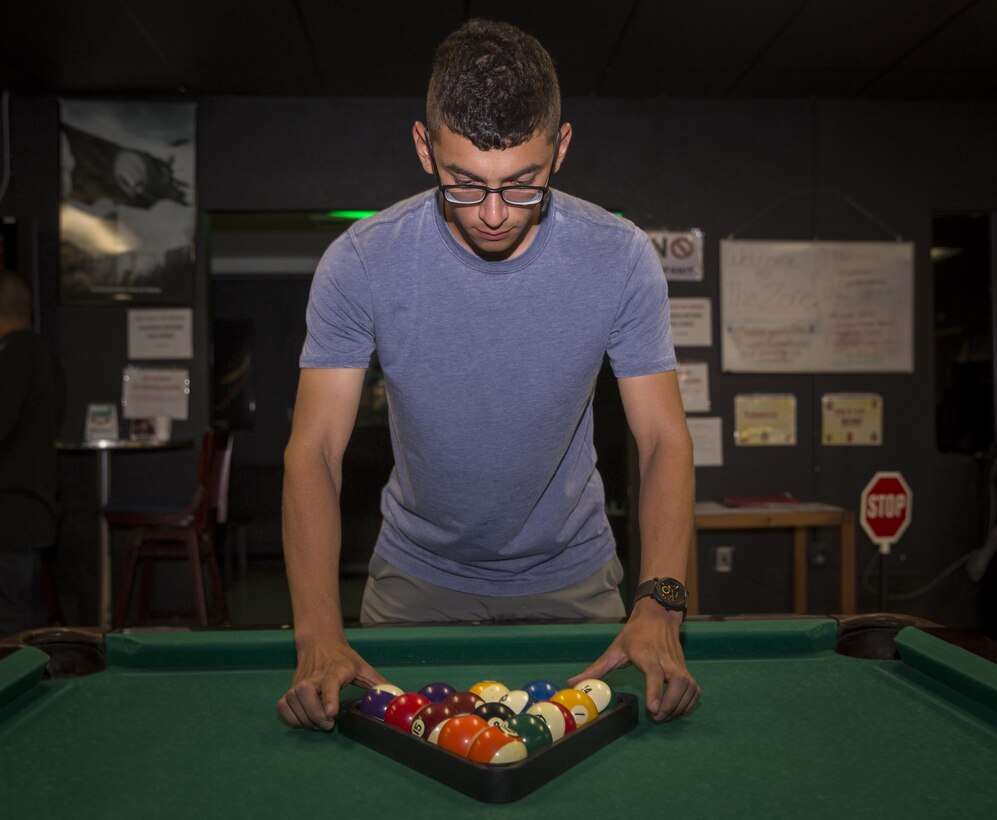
x=881 y=49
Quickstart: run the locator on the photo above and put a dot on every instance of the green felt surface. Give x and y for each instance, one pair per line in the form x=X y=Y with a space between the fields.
x=786 y=728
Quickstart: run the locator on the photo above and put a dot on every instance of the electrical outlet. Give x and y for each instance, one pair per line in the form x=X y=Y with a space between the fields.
x=723 y=559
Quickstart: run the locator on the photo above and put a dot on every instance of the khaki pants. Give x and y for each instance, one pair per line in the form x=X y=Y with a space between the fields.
x=393 y=596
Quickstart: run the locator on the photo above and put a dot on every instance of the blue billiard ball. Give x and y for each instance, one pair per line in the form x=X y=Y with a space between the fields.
x=542 y=689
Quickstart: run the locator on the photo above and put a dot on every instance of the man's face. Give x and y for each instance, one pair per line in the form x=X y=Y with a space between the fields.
x=492 y=229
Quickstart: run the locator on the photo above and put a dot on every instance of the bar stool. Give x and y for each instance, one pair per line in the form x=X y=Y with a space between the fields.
x=187 y=533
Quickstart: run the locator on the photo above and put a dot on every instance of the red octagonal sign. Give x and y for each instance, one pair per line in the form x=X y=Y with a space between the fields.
x=886 y=507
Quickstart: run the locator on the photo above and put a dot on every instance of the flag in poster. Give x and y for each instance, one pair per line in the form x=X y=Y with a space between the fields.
x=127 y=214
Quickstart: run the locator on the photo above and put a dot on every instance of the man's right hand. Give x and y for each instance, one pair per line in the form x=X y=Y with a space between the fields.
x=313 y=699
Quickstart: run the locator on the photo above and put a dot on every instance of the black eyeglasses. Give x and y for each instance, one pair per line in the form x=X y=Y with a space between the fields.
x=520 y=195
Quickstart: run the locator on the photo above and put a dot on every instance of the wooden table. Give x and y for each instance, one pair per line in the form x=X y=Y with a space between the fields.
x=800 y=517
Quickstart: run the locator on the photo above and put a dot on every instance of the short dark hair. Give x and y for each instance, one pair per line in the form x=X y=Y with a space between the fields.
x=495 y=85
x=15 y=296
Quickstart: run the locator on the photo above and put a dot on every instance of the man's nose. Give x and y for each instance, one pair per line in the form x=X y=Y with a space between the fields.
x=493 y=210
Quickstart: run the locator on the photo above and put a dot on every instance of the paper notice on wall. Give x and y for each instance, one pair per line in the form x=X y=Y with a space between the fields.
x=762 y=419
x=150 y=392
x=850 y=419
x=160 y=333
x=707 y=441
x=692 y=322
x=694 y=385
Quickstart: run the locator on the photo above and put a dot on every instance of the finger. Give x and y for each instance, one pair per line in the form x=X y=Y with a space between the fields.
x=689 y=700
x=367 y=676
x=286 y=713
x=600 y=667
x=311 y=708
x=295 y=712
x=679 y=686
x=654 y=680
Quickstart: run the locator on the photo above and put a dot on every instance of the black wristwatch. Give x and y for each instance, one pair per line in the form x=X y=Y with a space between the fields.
x=668 y=592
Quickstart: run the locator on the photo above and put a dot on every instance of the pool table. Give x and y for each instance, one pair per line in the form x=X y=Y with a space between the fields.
x=182 y=724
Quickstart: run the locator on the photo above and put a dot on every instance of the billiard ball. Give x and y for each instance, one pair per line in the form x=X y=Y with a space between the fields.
x=437 y=692
x=459 y=732
x=541 y=689
x=429 y=720
x=495 y=746
x=531 y=729
x=518 y=700
x=581 y=706
x=489 y=690
x=401 y=711
x=598 y=690
x=558 y=719
x=494 y=713
x=375 y=702
x=464 y=702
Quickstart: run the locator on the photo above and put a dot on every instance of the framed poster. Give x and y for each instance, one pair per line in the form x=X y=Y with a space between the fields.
x=126 y=215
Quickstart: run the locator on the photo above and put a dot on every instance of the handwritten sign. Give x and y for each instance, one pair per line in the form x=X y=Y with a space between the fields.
x=817 y=307
x=851 y=419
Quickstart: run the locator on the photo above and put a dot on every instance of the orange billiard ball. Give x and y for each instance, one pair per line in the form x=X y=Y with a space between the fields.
x=459 y=733
x=494 y=746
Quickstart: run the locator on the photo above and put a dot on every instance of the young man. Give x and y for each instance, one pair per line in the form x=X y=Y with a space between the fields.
x=491 y=301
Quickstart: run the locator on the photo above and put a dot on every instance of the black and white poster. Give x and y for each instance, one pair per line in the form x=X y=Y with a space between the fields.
x=127 y=217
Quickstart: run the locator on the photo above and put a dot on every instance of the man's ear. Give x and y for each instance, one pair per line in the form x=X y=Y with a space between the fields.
x=563 y=148
x=422 y=147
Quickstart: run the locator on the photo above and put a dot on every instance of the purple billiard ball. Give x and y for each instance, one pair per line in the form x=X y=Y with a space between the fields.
x=437 y=692
x=375 y=702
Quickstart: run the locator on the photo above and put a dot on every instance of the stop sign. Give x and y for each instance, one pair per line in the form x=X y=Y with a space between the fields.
x=886 y=508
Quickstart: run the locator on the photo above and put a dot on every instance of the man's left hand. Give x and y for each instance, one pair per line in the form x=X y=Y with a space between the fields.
x=650 y=641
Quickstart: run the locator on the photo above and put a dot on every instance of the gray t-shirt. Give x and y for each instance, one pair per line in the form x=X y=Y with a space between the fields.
x=490 y=369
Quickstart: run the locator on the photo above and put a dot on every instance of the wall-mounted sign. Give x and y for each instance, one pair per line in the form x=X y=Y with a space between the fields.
x=680 y=253
x=850 y=419
x=765 y=419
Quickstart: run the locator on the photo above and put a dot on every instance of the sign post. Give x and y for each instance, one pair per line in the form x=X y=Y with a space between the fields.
x=886 y=507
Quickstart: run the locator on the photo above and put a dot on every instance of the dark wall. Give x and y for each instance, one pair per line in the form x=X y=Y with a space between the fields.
x=715 y=165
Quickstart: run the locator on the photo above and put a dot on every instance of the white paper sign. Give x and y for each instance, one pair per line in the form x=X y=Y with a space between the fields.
x=160 y=333
x=707 y=441
x=151 y=392
x=694 y=385
x=692 y=322
x=817 y=307
x=680 y=253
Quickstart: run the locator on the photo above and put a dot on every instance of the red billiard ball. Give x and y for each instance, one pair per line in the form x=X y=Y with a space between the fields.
x=464 y=702
x=459 y=733
x=401 y=711
x=430 y=719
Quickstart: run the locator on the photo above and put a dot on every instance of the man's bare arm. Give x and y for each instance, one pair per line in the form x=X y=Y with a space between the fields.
x=324 y=414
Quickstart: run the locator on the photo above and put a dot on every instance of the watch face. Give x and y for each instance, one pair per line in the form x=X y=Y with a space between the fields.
x=671 y=593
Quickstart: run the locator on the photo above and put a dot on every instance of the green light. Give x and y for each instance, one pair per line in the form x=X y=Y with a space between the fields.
x=350 y=214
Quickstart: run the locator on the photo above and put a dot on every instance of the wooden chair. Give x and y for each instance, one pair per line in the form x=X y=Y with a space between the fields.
x=187 y=533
